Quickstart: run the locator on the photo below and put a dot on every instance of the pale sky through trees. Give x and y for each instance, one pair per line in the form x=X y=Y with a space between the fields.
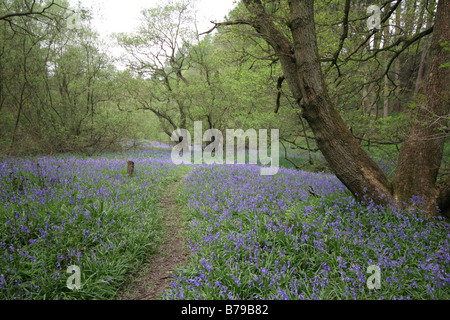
x=115 y=16
x=123 y=16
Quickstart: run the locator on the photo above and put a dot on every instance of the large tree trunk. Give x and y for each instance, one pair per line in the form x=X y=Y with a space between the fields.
x=351 y=164
x=301 y=66
x=421 y=153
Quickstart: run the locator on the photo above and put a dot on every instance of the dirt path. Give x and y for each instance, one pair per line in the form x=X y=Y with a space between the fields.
x=156 y=275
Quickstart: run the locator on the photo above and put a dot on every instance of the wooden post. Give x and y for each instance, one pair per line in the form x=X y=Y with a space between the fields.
x=130 y=168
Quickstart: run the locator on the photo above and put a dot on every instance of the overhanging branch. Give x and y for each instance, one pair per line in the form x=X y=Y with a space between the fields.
x=225 y=23
x=30 y=11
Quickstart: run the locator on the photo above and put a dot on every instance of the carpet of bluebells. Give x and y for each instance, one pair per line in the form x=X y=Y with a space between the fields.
x=295 y=235
x=300 y=235
x=61 y=211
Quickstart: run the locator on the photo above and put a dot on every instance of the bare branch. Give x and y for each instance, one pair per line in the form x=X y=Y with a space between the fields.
x=225 y=23
x=289 y=160
x=343 y=37
x=388 y=15
x=30 y=11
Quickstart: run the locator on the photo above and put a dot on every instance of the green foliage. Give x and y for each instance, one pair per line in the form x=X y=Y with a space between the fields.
x=58 y=88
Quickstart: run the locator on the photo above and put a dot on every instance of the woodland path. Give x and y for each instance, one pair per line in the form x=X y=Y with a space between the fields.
x=156 y=274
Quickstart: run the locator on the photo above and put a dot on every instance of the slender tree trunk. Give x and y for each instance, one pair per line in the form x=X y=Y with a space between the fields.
x=365 y=99
x=421 y=153
x=397 y=68
x=423 y=60
x=421 y=68
x=20 y=102
x=386 y=105
x=368 y=105
x=16 y=128
x=386 y=97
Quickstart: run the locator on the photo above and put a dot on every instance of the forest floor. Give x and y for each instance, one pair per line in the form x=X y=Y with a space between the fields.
x=156 y=274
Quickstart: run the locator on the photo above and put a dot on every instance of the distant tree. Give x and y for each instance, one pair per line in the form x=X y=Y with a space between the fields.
x=158 y=53
x=55 y=83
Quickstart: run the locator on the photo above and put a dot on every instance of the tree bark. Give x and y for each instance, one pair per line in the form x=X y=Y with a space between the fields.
x=386 y=97
x=423 y=57
x=397 y=67
x=420 y=157
x=386 y=104
x=422 y=151
x=301 y=66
